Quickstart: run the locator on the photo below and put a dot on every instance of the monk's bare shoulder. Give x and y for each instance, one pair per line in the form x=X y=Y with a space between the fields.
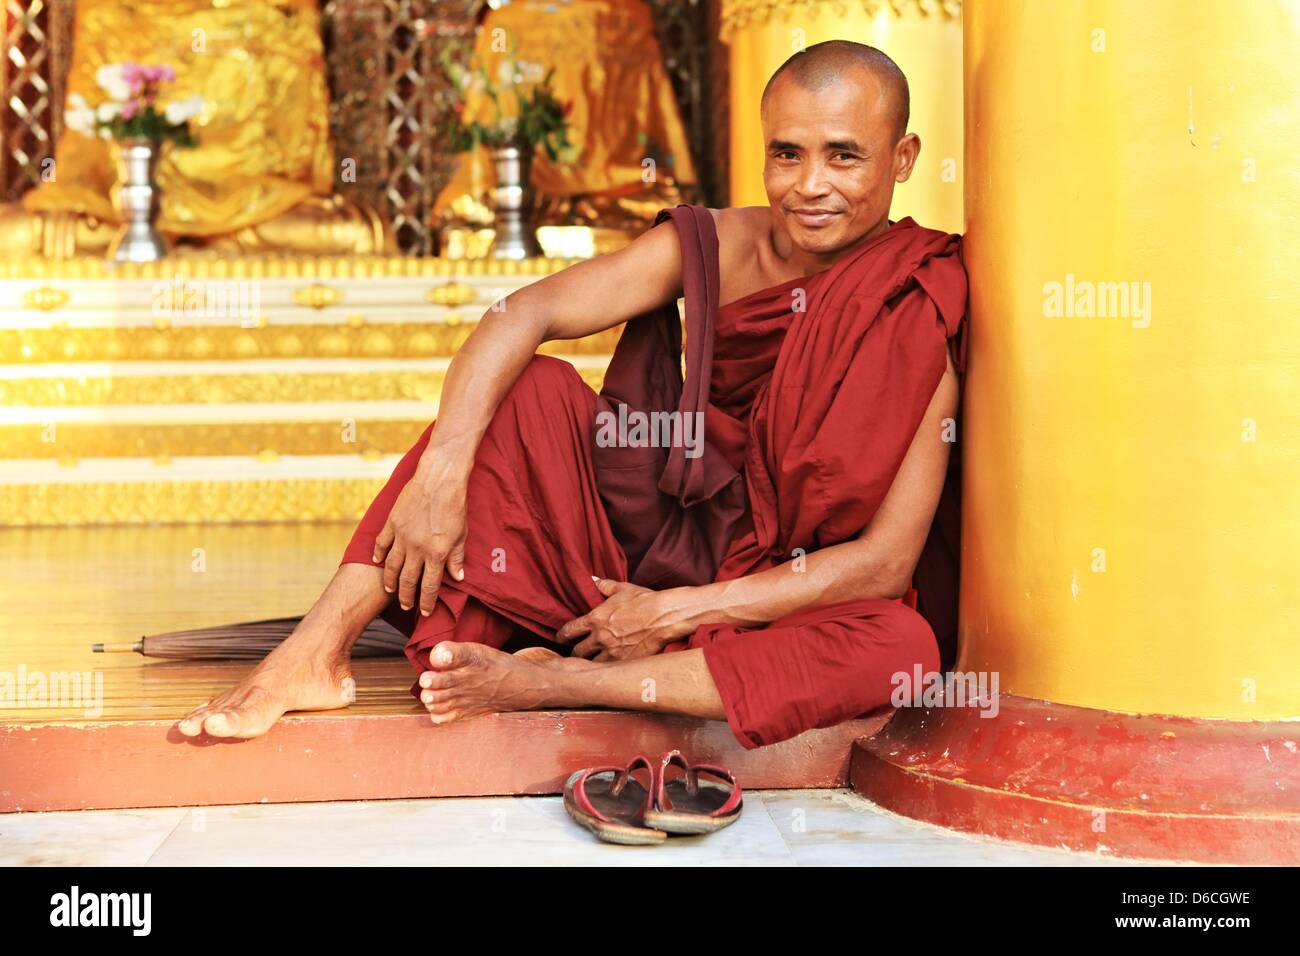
x=742 y=230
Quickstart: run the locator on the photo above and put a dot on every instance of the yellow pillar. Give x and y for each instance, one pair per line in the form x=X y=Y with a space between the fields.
x=1132 y=508
x=922 y=36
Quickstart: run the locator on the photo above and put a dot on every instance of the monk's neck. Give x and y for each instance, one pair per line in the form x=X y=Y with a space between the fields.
x=789 y=259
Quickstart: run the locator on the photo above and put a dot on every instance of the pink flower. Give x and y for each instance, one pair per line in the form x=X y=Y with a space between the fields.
x=129 y=109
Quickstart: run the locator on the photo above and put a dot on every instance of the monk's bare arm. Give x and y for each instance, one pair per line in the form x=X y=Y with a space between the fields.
x=425 y=531
x=878 y=563
x=583 y=299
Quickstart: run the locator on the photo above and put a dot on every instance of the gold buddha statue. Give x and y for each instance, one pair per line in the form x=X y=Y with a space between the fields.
x=631 y=149
x=262 y=175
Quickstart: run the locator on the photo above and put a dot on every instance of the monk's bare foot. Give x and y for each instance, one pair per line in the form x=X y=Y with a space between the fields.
x=546 y=656
x=297 y=675
x=470 y=679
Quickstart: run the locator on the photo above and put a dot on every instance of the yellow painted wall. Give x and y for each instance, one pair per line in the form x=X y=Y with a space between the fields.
x=1164 y=150
x=927 y=47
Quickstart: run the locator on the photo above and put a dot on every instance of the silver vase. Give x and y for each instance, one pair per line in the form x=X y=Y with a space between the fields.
x=137 y=167
x=512 y=199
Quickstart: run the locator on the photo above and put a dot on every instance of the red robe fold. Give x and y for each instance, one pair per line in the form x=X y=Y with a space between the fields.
x=808 y=415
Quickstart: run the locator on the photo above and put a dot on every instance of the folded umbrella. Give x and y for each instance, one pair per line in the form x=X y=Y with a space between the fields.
x=249 y=640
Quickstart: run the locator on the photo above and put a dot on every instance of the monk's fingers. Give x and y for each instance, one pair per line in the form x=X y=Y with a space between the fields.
x=409 y=581
x=429 y=586
x=609 y=587
x=575 y=628
x=393 y=567
x=589 y=647
x=456 y=560
x=384 y=541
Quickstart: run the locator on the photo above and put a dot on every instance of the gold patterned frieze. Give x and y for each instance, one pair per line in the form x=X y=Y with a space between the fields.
x=186 y=502
x=68 y=442
x=199 y=388
x=46 y=298
x=278 y=267
x=352 y=338
x=452 y=294
x=317 y=296
x=741 y=14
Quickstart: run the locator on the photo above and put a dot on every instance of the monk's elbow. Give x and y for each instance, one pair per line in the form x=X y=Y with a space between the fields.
x=894 y=579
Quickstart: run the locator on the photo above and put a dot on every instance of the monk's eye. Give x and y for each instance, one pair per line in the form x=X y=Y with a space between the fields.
x=849 y=156
x=784 y=153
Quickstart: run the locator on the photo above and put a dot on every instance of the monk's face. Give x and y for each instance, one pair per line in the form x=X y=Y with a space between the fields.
x=832 y=160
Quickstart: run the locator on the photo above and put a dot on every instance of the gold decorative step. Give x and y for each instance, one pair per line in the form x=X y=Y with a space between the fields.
x=65 y=384
x=353 y=335
x=195 y=490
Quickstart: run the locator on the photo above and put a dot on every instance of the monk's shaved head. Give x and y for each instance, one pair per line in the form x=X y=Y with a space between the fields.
x=832 y=61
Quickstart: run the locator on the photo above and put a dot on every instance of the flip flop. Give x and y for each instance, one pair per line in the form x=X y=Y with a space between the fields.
x=613 y=808
x=684 y=805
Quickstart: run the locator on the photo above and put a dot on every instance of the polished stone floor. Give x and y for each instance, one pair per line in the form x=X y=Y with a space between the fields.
x=778 y=828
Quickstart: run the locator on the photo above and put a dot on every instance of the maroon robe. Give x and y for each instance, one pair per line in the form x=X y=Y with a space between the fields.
x=808 y=416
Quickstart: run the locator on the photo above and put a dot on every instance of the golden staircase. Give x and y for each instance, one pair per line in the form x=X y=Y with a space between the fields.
x=202 y=389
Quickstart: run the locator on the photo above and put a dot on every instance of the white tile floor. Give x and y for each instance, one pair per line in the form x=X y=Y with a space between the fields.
x=778 y=827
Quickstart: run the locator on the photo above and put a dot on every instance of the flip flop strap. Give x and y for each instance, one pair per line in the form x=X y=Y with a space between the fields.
x=621 y=777
x=692 y=772
x=661 y=783
x=733 y=800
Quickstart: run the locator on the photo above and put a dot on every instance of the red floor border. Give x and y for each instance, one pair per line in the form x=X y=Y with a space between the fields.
x=1124 y=785
x=316 y=757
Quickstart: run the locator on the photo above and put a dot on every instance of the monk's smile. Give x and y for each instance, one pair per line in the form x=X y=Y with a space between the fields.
x=814 y=218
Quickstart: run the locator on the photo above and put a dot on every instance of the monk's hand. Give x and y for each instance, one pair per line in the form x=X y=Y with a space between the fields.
x=423 y=537
x=631 y=622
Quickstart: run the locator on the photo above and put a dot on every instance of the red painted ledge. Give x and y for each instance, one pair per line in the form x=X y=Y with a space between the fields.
x=1125 y=785
x=79 y=765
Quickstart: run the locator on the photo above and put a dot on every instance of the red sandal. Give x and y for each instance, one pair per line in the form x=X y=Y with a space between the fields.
x=683 y=805
x=614 y=809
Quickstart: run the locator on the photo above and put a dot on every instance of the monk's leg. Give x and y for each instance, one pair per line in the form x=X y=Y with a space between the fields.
x=310 y=670
x=465 y=680
x=815 y=668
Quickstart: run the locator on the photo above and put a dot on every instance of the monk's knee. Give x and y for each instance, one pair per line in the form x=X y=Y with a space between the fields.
x=546 y=382
x=909 y=635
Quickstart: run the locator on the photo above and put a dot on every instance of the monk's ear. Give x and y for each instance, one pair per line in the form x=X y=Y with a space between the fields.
x=905 y=152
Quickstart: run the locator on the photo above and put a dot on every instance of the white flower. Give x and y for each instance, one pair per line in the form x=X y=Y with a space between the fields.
x=107 y=112
x=79 y=116
x=110 y=80
x=179 y=111
x=531 y=72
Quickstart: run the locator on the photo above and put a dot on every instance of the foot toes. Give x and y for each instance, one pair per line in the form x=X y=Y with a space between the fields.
x=192 y=724
x=220 y=723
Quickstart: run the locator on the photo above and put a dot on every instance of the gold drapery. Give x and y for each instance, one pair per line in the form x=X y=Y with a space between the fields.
x=608 y=63
x=257 y=157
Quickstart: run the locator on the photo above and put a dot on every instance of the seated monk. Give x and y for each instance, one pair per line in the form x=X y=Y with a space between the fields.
x=765 y=574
